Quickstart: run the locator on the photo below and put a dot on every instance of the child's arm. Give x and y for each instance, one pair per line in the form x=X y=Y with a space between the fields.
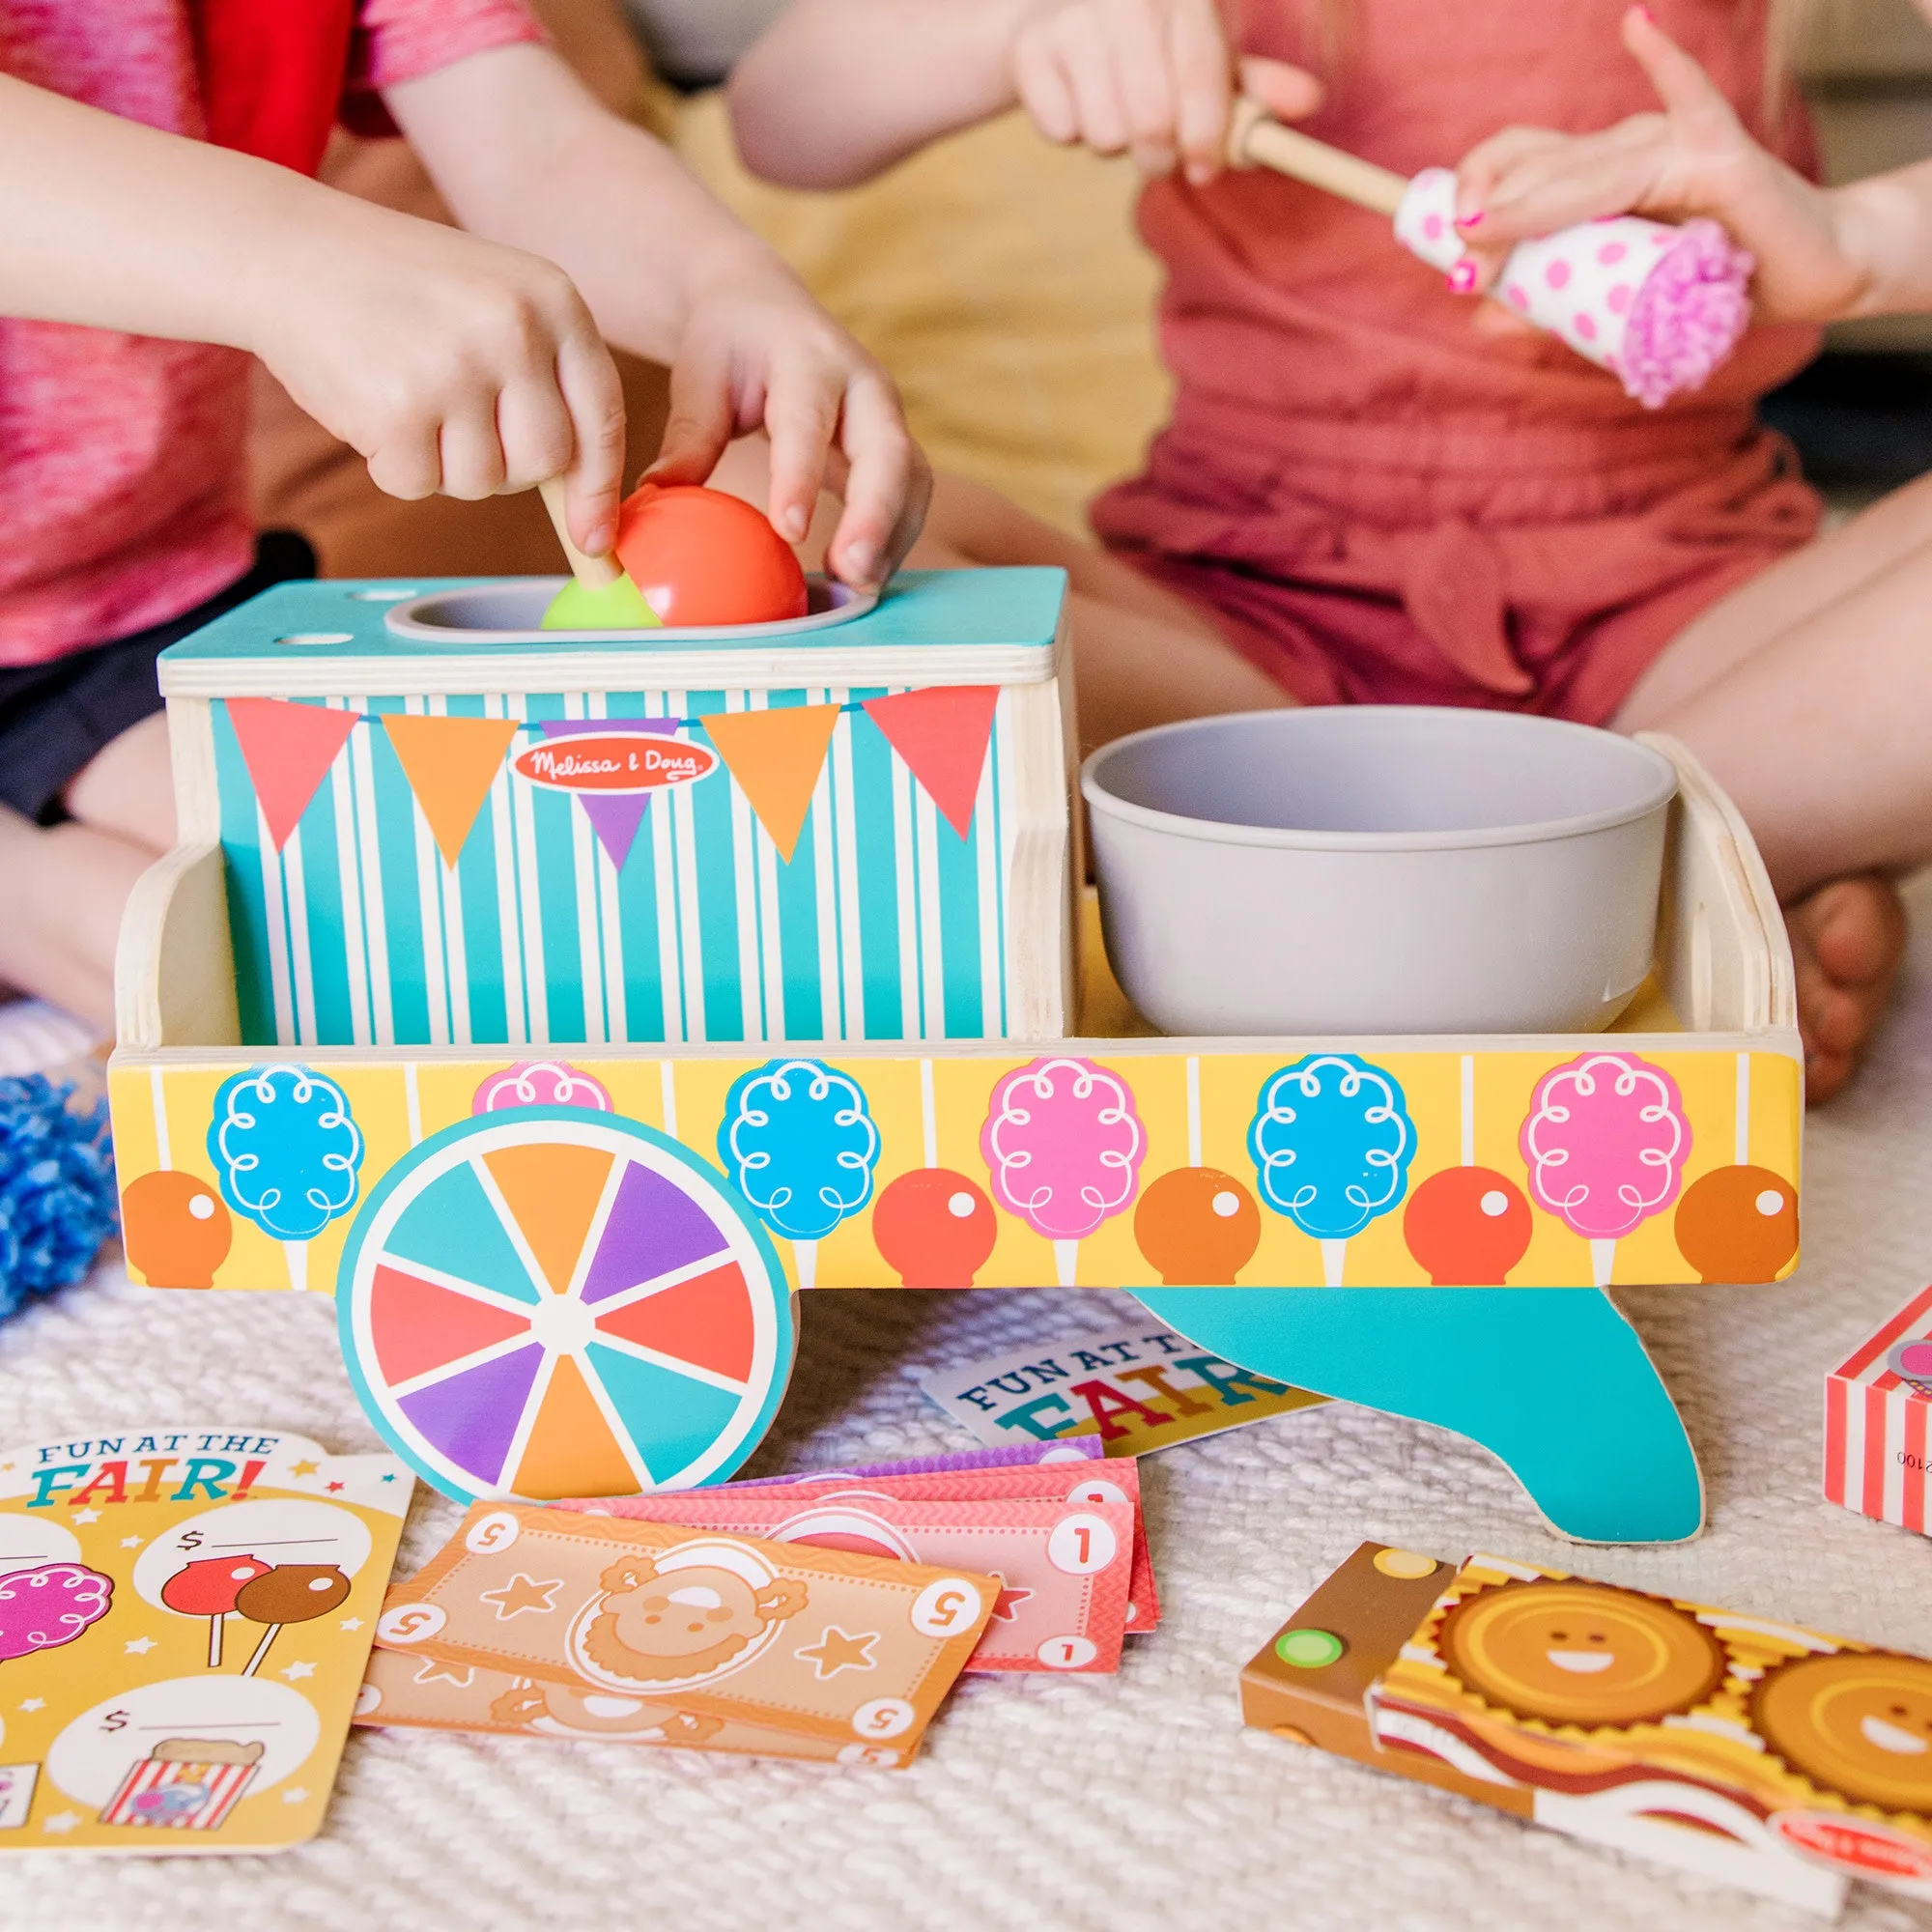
x=837 y=90
x=1822 y=253
x=450 y=363
x=523 y=153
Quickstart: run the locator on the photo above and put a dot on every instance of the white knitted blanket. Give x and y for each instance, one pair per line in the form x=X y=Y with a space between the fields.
x=1128 y=1804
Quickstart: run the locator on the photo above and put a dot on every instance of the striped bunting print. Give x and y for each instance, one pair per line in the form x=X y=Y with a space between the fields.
x=886 y=923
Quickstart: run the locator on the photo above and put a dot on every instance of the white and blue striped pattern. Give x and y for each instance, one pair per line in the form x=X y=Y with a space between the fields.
x=884 y=926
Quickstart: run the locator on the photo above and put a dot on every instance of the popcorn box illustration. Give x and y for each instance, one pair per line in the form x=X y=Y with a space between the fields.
x=563 y=1004
x=185 y=1784
x=1877 y=1404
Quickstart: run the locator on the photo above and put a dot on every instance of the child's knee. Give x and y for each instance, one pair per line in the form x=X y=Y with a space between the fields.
x=127 y=789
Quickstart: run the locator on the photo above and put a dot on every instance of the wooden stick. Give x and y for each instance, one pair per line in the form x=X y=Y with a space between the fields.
x=1257 y=139
x=594 y=573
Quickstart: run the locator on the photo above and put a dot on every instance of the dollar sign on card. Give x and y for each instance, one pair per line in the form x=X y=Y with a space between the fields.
x=191 y=1540
x=115 y=1720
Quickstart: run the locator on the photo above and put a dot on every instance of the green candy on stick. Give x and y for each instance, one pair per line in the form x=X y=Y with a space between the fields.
x=600 y=595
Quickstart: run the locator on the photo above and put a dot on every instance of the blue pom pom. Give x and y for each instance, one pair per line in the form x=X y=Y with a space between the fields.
x=57 y=1198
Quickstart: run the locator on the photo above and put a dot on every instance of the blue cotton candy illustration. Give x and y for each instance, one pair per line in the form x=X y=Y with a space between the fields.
x=798 y=1139
x=287 y=1152
x=1331 y=1142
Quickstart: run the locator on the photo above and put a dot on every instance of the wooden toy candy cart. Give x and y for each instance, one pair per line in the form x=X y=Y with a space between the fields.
x=564 y=1002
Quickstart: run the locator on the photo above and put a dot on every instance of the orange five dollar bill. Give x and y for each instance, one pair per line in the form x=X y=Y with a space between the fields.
x=823 y=1642
x=426 y=1692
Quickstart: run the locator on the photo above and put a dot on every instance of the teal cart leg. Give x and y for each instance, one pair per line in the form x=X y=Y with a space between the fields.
x=1553 y=1380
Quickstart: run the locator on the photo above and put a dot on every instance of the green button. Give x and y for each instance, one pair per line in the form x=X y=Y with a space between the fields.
x=1308 y=1649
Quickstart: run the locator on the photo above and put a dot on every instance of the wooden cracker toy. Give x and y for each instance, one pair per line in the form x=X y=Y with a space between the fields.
x=1767 y=1756
x=564 y=1002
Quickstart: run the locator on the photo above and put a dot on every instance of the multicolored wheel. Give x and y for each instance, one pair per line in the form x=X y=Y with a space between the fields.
x=554 y=1302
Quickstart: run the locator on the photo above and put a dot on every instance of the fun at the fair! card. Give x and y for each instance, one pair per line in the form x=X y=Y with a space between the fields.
x=1137 y=1388
x=185 y=1617
x=857 y=1649
x=1061 y=1565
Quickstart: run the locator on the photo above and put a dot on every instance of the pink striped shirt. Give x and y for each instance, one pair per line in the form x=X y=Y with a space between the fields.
x=123 y=459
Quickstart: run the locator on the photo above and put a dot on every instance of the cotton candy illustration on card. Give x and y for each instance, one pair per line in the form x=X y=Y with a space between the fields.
x=127 y=1562
x=1064 y=1143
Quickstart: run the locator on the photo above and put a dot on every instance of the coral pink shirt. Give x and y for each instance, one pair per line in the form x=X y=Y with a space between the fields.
x=1376 y=501
x=122 y=461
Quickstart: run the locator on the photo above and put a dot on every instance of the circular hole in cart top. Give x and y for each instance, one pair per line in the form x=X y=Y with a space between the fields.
x=511 y=612
x=317 y=638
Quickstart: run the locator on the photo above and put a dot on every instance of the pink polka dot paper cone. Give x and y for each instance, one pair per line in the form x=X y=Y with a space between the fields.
x=1659 y=306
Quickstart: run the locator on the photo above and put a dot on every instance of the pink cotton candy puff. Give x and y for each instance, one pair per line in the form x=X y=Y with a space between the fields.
x=1689 y=314
x=1064 y=1146
x=1605 y=1141
x=540 y=1083
x=48 y=1606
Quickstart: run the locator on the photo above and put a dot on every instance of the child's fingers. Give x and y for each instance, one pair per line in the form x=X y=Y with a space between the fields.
x=1137 y=42
x=1087 y=62
x=1288 y=93
x=801 y=417
x=471 y=452
x=406 y=463
x=1491 y=162
x=1197 y=48
x=1044 y=89
x=592 y=392
x=700 y=420
x=1577 y=181
x=1685 y=90
x=887 y=488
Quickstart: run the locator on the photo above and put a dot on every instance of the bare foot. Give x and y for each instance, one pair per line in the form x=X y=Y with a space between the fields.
x=1848 y=938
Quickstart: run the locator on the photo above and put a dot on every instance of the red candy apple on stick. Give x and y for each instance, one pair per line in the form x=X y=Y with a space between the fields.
x=207 y=1587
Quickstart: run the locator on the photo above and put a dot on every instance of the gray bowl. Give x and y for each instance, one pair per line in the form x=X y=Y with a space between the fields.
x=1379 y=869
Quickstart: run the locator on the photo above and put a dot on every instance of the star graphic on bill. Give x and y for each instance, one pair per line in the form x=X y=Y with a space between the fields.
x=61 y=1821
x=33 y=1704
x=304 y=1468
x=296 y=1672
x=349 y=1624
x=335 y=1488
x=130 y=1542
x=435 y=1672
x=138 y=1646
x=87 y=1516
x=838 y=1650
x=295 y=1794
x=1011 y=1599
x=522 y=1593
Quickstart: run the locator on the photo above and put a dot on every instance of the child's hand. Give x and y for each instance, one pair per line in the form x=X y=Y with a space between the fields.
x=454 y=365
x=1152 y=77
x=1693 y=159
x=757 y=352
